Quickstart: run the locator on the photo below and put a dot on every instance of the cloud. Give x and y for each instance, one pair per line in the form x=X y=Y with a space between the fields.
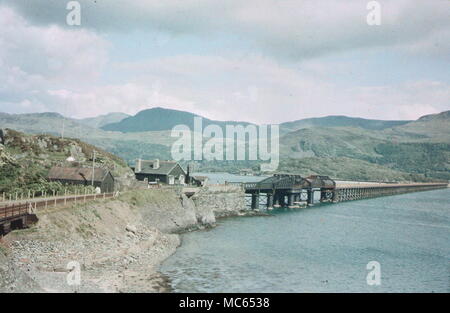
x=127 y=98
x=34 y=59
x=288 y=29
x=51 y=52
x=261 y=90
x=45 y=66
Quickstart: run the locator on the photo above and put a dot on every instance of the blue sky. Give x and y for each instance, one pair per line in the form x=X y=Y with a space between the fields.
x=263 y=61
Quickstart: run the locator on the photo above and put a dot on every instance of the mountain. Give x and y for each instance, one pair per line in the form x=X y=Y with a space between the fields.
x=436 y=127
x=160 y=119
x=419 y=148
x=46 y=123
x=398 y=150
x=128 y=146
x=329 y=142
x=102 y=120
x=339 y=121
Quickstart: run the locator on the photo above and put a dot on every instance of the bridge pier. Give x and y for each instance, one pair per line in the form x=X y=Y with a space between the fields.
x=269 y=201
x=276 y=200
x=255 y=201
x=5 y=228
x=281 y=199
x=291 y=200
x=296 y=198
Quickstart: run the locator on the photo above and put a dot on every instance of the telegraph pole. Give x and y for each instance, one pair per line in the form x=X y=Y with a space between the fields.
x=93 y=168
x=63 y=125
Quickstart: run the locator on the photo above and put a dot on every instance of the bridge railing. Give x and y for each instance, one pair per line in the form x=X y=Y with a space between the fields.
x=13 y=210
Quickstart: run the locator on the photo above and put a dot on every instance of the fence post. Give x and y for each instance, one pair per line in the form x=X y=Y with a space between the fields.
x=65 y=196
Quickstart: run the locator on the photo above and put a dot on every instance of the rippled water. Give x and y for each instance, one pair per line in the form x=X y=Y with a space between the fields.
x=323 y=249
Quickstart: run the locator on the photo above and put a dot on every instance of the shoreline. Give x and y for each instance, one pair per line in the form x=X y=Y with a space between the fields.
x=168 y=288
x=120 y=243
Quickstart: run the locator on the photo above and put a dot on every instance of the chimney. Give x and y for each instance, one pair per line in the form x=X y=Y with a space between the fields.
x=138 y=168
x=156 y=164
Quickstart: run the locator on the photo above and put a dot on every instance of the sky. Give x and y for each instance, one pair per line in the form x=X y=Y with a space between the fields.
x=262 y=61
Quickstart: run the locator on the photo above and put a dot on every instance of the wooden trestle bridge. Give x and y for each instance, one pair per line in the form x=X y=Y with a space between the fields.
x=284 y=190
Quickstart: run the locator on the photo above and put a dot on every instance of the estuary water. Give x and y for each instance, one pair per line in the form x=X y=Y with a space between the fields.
x=324 y=248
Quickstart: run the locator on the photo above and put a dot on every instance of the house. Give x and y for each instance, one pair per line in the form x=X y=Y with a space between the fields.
x=199 y=181
x=156 y=171
x=83 y=176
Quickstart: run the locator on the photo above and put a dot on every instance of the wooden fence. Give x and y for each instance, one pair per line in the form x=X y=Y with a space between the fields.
x=22 y=208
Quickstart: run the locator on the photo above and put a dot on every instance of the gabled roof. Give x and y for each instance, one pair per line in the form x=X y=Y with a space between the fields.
x=77 y=173
x=165 y=167
x=200 y=178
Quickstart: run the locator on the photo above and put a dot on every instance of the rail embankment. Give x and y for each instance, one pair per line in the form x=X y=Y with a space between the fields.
x=118 y=242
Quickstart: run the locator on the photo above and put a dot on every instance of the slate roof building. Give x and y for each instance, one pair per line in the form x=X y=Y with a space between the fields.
x=83 y=176
x=156 y=171
x=199 y=181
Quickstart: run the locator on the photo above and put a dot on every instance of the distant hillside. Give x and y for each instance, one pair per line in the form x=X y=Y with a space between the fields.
x=128 y=146
x=339 y=121
x=102 y=120
x=404 y=152
x=159 y=119
x=47 y=123
x=436 y=127
x=418 y=147
x=329 y=142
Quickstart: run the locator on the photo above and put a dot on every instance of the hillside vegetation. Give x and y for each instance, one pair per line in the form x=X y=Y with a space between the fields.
x=392 y=149
x=26 y=159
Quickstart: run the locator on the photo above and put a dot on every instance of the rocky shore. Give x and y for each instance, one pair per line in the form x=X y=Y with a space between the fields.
x=118 y=243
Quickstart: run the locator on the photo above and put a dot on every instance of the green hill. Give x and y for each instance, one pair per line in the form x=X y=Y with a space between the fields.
x=343 y=168
x=47 y=123
x=418 y=147
x=434 y=127
x=339 y=121
x=102 y=120
x=160 y=119
x=329 y=142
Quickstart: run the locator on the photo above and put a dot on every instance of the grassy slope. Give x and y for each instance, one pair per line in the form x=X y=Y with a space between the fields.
x=343 y=168
x=421 y=148
x=26 y=159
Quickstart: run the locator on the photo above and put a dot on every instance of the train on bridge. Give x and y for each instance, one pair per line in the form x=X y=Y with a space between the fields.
x=286 y=190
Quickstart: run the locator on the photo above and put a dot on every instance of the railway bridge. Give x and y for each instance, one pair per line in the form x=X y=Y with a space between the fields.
x=16 y=216
x=286 y=190
x=19 y=214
